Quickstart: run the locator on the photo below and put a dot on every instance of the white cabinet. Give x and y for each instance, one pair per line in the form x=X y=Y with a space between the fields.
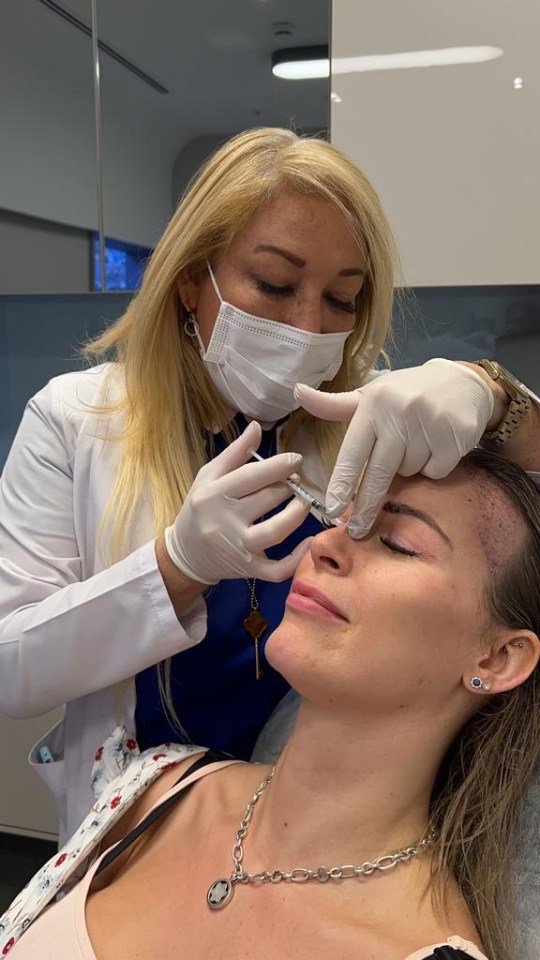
x=26 y=805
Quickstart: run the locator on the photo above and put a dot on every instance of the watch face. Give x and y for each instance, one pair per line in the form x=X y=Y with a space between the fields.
x=511 y=379
x=513 y=387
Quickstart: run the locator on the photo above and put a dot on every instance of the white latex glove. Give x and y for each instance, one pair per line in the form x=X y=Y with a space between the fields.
x=420 y=420
x=214 y=537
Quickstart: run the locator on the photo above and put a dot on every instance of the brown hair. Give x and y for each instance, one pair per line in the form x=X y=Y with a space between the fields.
x=477 y=800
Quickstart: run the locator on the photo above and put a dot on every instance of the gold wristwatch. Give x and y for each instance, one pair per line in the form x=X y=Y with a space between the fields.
x=519 y=406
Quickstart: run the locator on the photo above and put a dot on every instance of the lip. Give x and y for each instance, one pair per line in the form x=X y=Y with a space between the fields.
x=304 y=596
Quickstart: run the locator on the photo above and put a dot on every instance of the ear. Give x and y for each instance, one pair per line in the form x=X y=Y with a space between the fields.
x=189 y=287
x=512 y=657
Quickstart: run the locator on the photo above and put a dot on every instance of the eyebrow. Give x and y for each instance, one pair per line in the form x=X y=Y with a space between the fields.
x=298 y=262
x=393 y=506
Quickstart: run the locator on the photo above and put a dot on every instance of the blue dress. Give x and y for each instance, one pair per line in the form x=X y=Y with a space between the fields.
x=216 y=695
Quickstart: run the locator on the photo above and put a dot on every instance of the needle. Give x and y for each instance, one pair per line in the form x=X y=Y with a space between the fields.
x=317 y=508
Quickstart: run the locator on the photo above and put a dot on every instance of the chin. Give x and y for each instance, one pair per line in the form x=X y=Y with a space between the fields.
x=286 y=652
x=274 y=646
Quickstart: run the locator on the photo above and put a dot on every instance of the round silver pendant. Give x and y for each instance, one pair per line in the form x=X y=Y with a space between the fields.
x=219 y=893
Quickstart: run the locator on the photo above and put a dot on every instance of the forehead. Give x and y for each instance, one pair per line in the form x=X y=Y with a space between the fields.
x=471 y=508
x=307 y=224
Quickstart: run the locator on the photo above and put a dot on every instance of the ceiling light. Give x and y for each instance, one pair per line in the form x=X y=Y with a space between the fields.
x=518 y=83
x=303 y=63
x=417 y=58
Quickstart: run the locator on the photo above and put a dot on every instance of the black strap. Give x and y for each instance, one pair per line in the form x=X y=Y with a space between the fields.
x=448 y=953
x=210 y=756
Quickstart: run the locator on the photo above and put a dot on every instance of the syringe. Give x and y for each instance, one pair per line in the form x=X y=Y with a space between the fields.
x=316 y=508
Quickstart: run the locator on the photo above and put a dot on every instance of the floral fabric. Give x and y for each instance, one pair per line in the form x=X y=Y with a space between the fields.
x=120 y=774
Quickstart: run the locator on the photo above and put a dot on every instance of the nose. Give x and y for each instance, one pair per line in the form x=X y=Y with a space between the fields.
x=308 y=315
x=333 y=550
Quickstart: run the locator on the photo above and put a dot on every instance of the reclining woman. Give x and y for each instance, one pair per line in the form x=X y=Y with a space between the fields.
x=415 y=651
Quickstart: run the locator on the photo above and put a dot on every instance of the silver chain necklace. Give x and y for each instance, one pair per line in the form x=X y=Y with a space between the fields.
x=221 y=891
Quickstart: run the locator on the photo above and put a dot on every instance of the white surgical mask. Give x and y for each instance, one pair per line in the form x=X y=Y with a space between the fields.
x=255 y=363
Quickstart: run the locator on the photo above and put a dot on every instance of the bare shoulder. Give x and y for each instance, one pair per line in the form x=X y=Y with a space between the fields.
x=459 y=919
x=416 y=916
x=447 y=915
x=148 y=799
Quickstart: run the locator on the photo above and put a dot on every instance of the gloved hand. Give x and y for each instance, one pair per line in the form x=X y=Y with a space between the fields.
x=214 y=537
x=418 y=420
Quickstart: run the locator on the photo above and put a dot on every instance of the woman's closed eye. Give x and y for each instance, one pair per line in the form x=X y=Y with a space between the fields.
x=287 y=290
x=274 y=289
x=348 y=306
x=397 y=547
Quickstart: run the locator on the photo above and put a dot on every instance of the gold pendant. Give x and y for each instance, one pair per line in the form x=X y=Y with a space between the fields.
x=256 y=625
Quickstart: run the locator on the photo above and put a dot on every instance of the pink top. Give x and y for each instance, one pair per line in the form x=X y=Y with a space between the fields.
x=61 y=932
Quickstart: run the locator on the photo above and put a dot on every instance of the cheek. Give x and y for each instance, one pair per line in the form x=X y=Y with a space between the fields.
x=409 y=637
x=423 y=614
x=417 y=621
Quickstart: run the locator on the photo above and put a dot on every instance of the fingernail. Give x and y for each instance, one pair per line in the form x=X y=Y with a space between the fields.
x=296 y=458
x=298 y=387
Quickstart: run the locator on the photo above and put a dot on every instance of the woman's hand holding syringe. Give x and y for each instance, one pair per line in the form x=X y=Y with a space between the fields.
x=315 y=506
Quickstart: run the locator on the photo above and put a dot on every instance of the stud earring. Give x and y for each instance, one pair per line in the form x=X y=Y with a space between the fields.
x=478 y=684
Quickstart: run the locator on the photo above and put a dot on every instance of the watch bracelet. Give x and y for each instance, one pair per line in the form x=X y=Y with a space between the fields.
x=517 y=410
x=518 y=406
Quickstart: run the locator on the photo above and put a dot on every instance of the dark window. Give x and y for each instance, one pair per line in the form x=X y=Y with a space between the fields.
x=124 y=264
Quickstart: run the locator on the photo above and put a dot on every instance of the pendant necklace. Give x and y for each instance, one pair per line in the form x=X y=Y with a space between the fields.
x=221 y=891
x=256 y=625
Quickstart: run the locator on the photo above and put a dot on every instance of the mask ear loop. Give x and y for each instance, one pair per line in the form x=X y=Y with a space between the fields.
x=191 y=327
x=214 y=282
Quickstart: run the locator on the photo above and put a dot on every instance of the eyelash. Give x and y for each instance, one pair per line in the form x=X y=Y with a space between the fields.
x=274 y=291
x=396 y=548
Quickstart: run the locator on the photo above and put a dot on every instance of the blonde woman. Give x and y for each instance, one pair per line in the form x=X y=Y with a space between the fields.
x=277 y=268
x=395 y=802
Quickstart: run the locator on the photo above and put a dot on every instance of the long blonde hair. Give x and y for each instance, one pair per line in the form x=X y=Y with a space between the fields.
x=169 y=403
x=477 y=801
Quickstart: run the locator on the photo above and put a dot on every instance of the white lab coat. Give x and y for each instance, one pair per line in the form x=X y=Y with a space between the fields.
x=73 y=630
